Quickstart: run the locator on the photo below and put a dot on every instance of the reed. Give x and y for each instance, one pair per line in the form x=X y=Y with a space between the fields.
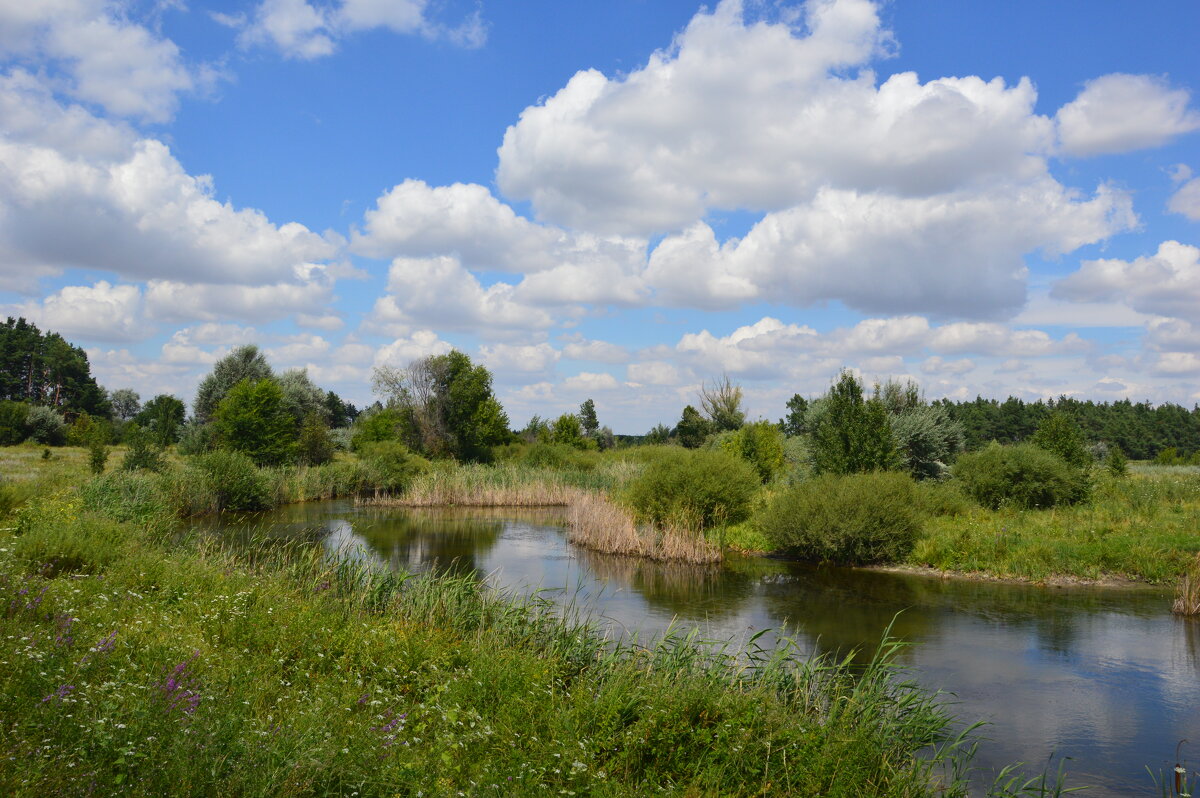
x=597 y=522
x=1187 y=595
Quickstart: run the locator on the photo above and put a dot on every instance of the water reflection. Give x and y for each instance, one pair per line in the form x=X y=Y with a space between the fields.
x=1106 y=677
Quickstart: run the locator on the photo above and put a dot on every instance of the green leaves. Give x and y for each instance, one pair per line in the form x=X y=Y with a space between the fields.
x=253 y=419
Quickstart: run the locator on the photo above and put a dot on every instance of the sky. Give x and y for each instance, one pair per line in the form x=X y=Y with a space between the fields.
x=616 y=201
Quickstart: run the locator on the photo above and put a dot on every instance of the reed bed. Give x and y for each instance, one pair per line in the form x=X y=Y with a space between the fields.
x=1187 y=595
x=597 y=522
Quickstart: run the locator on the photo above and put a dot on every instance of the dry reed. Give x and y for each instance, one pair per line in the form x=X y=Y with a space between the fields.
x=1187 y=597
x=593 y=520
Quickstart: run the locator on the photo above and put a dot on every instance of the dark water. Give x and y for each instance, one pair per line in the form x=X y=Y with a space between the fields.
x=1106 y=678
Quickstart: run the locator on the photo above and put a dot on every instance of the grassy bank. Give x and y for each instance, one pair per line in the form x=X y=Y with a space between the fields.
x=1144 y=527
x=134 y=666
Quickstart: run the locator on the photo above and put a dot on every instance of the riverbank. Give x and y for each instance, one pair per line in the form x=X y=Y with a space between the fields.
x=137 y=665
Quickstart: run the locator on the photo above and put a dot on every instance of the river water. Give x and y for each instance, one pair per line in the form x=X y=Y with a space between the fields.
x=1105 y=678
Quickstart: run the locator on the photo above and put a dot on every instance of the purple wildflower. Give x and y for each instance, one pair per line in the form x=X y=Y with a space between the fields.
x=107 y=644
x=64 y=636
x=179 y=689
x=62 y=692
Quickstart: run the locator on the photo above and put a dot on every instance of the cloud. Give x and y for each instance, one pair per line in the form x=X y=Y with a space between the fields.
x=140 y=216
x=1119 y=113
x=1186 y=201
x=520 y=358
x=439 y=291
x=751 y=351
x=658 y=372
x=587 y=382
x=581 y=348
x=948 y=255
x=175 y=301
x=99 y=312
x=760 y=116
x=299 y=349
x=303 y=31
x=955 y=368
x=1166 y=283
x=404 y=350
x=102 y=58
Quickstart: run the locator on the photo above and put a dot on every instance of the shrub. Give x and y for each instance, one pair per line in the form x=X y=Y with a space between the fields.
x=1060 y=435
x=376 y=426
x=849 y=433
x=761 y=445
x=235 y=482
x=694 y=488
x=557 y=456
x=196 y=438
x=252 y=419
x=97 y=454
x=315 y=447
x=1023 y=475
x=13 y=428
x=391 y=465
x=45 y=426
x=142 y=453
x=854 y=519
x=1116 y=462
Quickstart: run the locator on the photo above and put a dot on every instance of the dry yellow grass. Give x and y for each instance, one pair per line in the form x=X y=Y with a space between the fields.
x=1187 y=596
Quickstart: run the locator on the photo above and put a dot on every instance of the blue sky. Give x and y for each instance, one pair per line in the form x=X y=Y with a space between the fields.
x=615 y=201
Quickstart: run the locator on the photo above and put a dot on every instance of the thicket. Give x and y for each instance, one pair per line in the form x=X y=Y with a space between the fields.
x=1023 y=476
x=853 y=519
x=694 y=489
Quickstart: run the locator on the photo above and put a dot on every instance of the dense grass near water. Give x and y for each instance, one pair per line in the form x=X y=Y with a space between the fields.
x=134 y=666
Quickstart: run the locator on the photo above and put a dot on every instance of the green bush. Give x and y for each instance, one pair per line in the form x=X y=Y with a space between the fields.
x=142 y=454
x=13 y=428
x=1023 y=475
x=234 y=480
x=315 y=447
x=45 y=426
x=376 y=426
x=196 y=438
x=555 y=455
x=761 y=445
x=855 y=519
x=390 y=465
x=693 y=488
x=252 y=419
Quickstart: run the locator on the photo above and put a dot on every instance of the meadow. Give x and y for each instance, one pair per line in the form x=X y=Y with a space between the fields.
x=138 y=661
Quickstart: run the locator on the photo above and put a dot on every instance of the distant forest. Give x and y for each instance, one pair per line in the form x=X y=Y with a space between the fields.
x=44 y=369
x=1141 y=430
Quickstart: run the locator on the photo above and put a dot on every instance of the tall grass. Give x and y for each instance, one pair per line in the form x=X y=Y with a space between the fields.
x=134 y=668
x=595 y=521
x=1187 y=595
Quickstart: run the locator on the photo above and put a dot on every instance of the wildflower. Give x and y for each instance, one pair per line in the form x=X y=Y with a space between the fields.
x=62 y=692
x=179 y=688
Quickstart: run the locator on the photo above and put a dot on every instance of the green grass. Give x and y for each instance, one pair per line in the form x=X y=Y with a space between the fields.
x=136 y=667
x=1144 y=527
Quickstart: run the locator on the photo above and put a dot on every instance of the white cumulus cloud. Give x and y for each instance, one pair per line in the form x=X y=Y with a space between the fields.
x=1119 y=113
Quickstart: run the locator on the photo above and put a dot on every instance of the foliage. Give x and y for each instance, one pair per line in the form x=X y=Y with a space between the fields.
x=447 y=405
x=927 y=439
x=850 y=434
x=45 y=426
x=693 y=489
x=692 y=429
x=196 y=438
x=314 y=446
x=252 y=419
x=761 y=445
x=13 y=418
x=568 y=430
x=587 y=418
x=341 y=414
x=1059 y=434
x=373 y=426
x=44 y=369
x=85 y=428
x=1022 y=475
x=793 y=423
x=658 y=434
x=302 y=397
x=97 y=454
x=852 y=519
x=141 y=453
x=391 y=464
x=163 y=417
x=721 y=403
x=233 y=480
x=1116 y=462
x=537 y=430
x=125 y=403
x=243 y=363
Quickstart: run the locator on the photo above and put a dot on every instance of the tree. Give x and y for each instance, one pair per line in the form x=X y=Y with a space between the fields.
x=850 y=434
x=301 y=396
x=45 y=369
x=125 y=403
x=253 y=419
x=314 y=446
x=1059 y=434
x=761 y=445
x=447 y=405
x=926 y=436
x=658 y=434
x=692 y=428
x=568 y=430
x=721 y=402
x=793 y=422
x=243 y=363
x=536 y=431
x=341 y=414
x=163 y=418
x=587 y=418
